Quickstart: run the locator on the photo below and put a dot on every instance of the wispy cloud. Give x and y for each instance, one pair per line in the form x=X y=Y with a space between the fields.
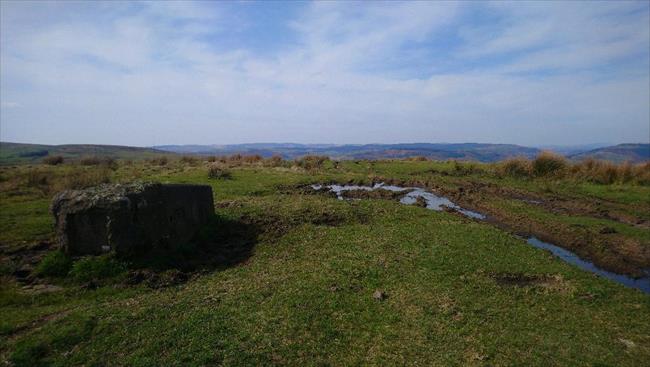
x=182 y=72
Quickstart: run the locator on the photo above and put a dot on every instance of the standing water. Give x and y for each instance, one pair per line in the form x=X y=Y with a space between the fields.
x=435 y=202
x=641 y=283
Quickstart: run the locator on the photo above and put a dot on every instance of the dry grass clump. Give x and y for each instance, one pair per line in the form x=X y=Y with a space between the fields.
x=466 y=168
x=312 y=162
x=218 y=172
x=238 y=160
x=515 y=167
x=99 y=161
x=81 y=179
x=251 y=159
x=590 y=170
x=274 y=161
x=189 y=160
x=37 y=178
x=53 y=160
x=419 y=158
x=159 y=161
x=50 y=181
x=604 y=172
x=549 y=164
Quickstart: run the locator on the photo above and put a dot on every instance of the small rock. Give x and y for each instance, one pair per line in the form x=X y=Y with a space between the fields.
x=379 y=295
x=41 y=288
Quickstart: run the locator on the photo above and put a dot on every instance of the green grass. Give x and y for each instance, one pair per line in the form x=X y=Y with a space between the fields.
x=303 y=296
x=54 y=264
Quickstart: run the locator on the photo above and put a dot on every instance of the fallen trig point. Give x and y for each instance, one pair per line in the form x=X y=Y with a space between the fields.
x=130 y=218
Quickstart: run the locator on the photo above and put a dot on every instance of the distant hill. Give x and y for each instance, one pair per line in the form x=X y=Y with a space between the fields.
x=568 y=150
x=634 y=153
x=464 y=151
x=17 y=153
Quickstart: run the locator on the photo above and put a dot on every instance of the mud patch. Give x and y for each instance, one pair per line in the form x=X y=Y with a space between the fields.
x=551 y=282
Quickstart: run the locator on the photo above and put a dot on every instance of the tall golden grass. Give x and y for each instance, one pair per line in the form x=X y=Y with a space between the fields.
x=551 y=165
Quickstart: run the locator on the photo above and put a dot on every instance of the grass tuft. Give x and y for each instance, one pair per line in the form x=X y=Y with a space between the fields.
x=97 y=268
x=515 y=167
x=549 y=164
x=217 y=172
x=54 y=264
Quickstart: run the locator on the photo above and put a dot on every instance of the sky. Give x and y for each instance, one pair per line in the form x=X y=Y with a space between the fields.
x=153 y=73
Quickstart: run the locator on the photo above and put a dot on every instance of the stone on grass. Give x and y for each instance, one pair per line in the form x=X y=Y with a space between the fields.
x=379 y=295
x=130 y=218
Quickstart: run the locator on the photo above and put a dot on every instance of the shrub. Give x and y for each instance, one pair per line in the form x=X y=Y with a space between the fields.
x=274 y=161
x=96 y=267
x=548 y=163
x=37 y=178
x=601 y=172
x=54 y=264
x=159 y=161
x=90 y=161
x=312 y=162
x=218 y=172
x=626 y=172
x=419 y=158
x=250 y=159
x=192 y=161
x=53 y=160
x=82 y=178
x=515 y=167
x=642 y=173
x=99 y=161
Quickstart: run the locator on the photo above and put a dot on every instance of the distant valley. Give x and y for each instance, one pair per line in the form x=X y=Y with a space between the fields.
x=17 y=153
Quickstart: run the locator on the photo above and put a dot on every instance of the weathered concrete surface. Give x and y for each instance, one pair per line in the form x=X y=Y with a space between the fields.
x=130 y=218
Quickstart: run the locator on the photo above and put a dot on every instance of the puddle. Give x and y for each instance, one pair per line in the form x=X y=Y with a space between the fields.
x=411 y=194
x=642 y=284
x=437 y=203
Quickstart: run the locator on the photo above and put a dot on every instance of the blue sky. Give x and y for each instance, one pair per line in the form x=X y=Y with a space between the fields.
x=147 y=73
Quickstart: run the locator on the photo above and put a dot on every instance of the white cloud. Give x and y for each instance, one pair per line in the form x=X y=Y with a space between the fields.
x=157 y=74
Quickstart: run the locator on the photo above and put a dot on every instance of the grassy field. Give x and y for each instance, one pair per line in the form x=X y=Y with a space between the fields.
x=17 y=153
x=283 y=276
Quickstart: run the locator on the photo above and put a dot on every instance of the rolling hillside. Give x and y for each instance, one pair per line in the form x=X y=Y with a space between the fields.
x=635 y=153
x=464 y=151
x=17 y=153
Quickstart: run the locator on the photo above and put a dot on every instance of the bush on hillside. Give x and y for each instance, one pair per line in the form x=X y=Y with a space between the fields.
x=218 y=172
x=549 y=164
x=53 y=160
x=312 y=162
x=515 y=167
